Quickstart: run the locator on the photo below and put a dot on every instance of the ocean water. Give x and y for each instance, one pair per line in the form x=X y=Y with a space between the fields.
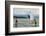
x=24 y=22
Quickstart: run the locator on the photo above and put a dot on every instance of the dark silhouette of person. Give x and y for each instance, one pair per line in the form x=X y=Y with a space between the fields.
x=35 y=22
x=29 y=16
x=16 y=22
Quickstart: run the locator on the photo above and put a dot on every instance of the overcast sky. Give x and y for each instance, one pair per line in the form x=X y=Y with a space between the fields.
x=23 y=11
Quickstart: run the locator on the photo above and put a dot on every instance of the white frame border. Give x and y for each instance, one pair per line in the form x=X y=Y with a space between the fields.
x=29 y=28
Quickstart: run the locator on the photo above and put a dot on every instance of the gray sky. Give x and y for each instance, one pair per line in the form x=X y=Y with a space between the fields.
x=20 y=11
